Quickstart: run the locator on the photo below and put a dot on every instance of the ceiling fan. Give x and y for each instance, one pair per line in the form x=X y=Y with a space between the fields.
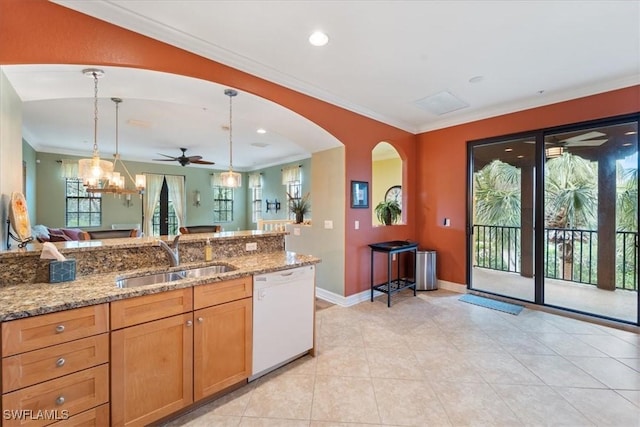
x=184 y=160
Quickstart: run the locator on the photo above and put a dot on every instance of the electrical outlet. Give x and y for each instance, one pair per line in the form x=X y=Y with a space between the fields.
x=253 y=246
x=328 y=224
x=296 y=231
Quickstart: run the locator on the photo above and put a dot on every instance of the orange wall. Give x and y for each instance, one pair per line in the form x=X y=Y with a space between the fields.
x=40 y=32
x=441 y=186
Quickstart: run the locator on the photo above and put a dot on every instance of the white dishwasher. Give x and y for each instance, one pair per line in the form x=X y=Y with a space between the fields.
x=283 y=307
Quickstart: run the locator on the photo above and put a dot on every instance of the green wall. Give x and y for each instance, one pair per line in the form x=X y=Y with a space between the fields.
x=29 y=185
x=50 y=200
x=47 y=206
x=272 y=189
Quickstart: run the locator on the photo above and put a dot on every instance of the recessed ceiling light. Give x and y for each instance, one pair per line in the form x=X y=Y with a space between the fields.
x=318 y=38
x=521 y=156
x=508 y=150
x=259 y=144
x=261 y=131
x=476 y=79
x=631 y=132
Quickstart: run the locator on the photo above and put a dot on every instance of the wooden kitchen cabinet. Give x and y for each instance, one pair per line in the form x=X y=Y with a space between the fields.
x=222 y=346
x=56 y=366
x=151 y=370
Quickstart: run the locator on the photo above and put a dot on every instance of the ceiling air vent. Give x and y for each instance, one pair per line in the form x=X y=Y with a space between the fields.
x=441 y=103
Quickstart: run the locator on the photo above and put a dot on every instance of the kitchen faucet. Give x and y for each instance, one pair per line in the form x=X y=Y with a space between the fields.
x=171 y=251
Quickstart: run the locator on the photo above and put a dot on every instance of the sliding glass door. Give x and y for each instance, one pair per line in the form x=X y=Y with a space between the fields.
x=502 y=214
x=553 y=218
x=591 y=220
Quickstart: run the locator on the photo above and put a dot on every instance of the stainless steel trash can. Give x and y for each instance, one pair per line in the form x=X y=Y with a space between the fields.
x=426 y=271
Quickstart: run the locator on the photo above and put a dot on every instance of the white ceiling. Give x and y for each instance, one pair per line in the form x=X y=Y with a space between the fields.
x=382 y=57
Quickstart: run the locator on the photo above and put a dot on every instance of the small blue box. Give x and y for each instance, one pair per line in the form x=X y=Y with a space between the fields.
x=62 y=271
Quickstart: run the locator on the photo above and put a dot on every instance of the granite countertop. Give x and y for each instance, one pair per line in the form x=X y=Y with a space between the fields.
x=70 y=247
x=32 y=299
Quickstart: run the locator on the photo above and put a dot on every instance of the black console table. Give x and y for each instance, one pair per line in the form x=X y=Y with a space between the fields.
x=391 y=286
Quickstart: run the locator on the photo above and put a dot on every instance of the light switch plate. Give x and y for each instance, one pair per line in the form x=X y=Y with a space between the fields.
x=296 y=231
x=253 y=246
x=328 y=224
x=357 y=225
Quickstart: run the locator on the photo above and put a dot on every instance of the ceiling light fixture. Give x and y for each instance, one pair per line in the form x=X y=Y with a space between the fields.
x=116 y=182
x=318 y=38
x=261 y=131
x=631 y=132
x=508 y=150
x=231 y=179
x=552 y=152
x=476 y=79
x=94 y=172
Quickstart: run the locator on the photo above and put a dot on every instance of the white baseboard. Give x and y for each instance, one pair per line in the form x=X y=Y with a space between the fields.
x=354 y=299
x=342 y=301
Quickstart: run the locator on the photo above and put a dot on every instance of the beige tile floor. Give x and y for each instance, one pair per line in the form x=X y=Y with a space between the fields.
x=435 y=361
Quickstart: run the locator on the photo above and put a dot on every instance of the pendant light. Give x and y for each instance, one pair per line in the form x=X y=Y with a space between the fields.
x=231 y=179
x=117 y=182
x=94 y=172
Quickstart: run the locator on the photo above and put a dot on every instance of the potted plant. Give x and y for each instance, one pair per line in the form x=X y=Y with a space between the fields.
x=299 y=206
x=388 y=212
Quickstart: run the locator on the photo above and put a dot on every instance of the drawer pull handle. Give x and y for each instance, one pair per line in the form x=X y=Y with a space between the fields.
x=60 y=328
x=200 y=320
x=60 y=362
x=60 y=400
x=189 y=323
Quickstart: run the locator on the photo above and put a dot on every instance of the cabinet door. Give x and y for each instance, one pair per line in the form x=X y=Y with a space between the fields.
x=151 y=370
x=222 y=346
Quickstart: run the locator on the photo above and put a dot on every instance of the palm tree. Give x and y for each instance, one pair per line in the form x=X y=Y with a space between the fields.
x=497 y=203
x=570 y=202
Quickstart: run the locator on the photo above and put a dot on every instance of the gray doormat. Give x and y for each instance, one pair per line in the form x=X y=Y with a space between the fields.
x=492 y=304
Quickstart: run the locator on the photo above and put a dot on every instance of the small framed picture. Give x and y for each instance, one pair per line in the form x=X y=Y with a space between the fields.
x=359 y=194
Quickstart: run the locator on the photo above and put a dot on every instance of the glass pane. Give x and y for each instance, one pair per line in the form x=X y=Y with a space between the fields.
x=502 y=244
x=591 y=221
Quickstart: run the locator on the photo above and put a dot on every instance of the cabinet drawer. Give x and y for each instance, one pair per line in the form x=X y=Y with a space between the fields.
x=94 y=417
x=68 y=395
x=37 y=366
x=221 y=292
x=37 y=332
x=133 y=311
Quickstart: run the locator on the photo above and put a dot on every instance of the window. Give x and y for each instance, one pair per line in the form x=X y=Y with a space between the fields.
x=294 y=192
x=82 y=209
x=256 y=202
x=222 y=204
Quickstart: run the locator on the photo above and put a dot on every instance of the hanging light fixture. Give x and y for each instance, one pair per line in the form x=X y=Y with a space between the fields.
x=116 y=182
x=231 y=178
x=94 y=172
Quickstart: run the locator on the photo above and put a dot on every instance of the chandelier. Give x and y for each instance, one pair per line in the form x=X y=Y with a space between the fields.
x=116 y=182
x=99 y=176
x=94 y=172
x=231 y=179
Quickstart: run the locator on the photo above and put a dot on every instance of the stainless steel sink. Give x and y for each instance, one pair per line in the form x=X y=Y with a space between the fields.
x=152 y=279
x=207 y=271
